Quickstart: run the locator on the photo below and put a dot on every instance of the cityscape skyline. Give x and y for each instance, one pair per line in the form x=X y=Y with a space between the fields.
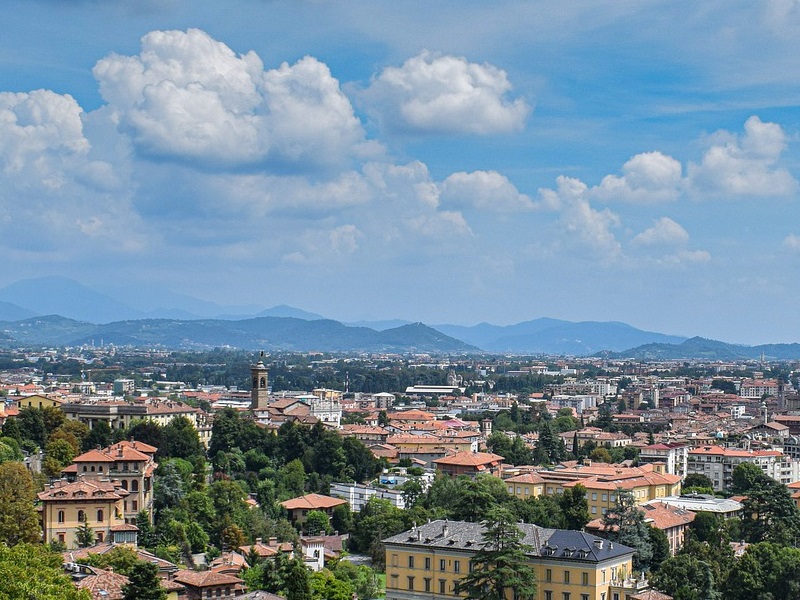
x=454 y=163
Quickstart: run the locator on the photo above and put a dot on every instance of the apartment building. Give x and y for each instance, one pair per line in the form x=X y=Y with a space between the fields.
x=674 y=456
x=601 y=481
x=427 y=562
x=717 y=463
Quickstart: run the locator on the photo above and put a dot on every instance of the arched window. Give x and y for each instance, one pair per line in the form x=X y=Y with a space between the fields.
x=263 y=382
x=135 y=485
x=81 y=516
x=100 y=515
x=125 y=484
x=61 y=516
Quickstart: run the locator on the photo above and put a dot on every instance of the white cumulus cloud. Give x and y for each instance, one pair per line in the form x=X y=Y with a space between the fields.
x=744 y=165
x=792 y=242
x=484 y=190
x=646 y=177
x=664 y=231
x=446 y=95
x=189 y=97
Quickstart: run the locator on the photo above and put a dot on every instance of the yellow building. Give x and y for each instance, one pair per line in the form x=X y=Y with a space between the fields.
x=130 y=464
x=66 y=506
x=427 y=561
x=37 y=401
x=601 y=483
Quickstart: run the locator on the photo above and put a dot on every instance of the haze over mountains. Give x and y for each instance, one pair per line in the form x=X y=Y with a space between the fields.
x=75 y=314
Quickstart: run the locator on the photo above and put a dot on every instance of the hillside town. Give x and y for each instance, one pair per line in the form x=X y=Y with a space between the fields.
x=617 y=480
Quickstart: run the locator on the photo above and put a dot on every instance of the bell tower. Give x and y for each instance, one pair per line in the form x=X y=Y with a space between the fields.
x=259 y=388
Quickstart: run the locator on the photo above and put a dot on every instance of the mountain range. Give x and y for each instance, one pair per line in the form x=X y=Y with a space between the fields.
x=56 y=311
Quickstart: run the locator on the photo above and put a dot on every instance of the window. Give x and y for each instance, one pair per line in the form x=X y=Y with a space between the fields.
x=427 y=563
x=411 y=562
x=81 y=516
x=135 y=506
x=548 y=575
x=427 y=581
x=442 y=565
x=61 y=516
x=135 y=485
x=594 y=495
x=100 y=537
x=456 y=566
x=566 y=576
x=394 y=560
x=411 y=583
x=584 y=596
x=125 y=484
x=62 y=538
x=100 y=515
x=565 y=595
x=548 y=595
x=442 y=586
x=584 y=578
x=208 y=593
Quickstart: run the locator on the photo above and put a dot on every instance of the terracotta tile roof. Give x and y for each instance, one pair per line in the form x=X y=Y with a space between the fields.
x=470 y=459
x=103 y=585
x=82 y=490
x=94 y=456
x=312 y=502
x=200 y=579
x=526 y=478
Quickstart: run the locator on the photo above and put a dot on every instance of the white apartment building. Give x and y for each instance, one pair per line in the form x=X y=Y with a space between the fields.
x=675 y=456
x=358 y=494
x=717 y=463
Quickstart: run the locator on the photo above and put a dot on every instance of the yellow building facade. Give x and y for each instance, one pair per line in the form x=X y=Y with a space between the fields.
x=428 y=561
x=66 y=506
x=601 y=483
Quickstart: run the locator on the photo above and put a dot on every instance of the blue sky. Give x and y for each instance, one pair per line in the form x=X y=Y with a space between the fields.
x=441 y=162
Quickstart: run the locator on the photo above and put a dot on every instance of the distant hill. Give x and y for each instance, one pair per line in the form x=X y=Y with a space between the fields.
x=12 y=312
x=702 y=348
x=63 y=296
x=282 y=310
x=263 y=333
x=383 y=325
x=552 y=336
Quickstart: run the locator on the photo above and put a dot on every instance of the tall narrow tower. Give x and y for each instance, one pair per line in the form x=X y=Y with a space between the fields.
x=259 y=389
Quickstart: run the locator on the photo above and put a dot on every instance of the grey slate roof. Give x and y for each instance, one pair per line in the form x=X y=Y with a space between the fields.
x=546 y=543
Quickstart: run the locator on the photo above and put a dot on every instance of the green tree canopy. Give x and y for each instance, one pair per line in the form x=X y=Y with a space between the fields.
x=19 y=521
x=33 y=571
x=144 y=583
x=501 y=564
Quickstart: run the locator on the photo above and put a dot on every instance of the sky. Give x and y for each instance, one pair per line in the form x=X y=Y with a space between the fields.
x=444 y=162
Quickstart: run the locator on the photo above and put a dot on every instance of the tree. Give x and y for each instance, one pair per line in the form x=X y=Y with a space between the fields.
x=574 y=507
x=747 y=476
x=84 y=535
x=298 y=581
x=697 y=480
x=98 y=437
x=767 y=571
x=121 y=558
x=144 y=583
x=501 y=562
x=660 y=544
x=706 y=527
x=19 y=521
x=625 y=524
x=685 y=577
x=317 y=523
x=33 y=571
x=770 y=514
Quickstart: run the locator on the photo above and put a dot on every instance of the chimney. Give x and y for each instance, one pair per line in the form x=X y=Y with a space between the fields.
x=273 y=541
x=598 y=544
x=444 y=529
x=258 y=540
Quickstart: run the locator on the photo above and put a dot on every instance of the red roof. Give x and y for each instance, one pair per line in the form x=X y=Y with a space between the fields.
x=470 y=459
x=312 y=502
